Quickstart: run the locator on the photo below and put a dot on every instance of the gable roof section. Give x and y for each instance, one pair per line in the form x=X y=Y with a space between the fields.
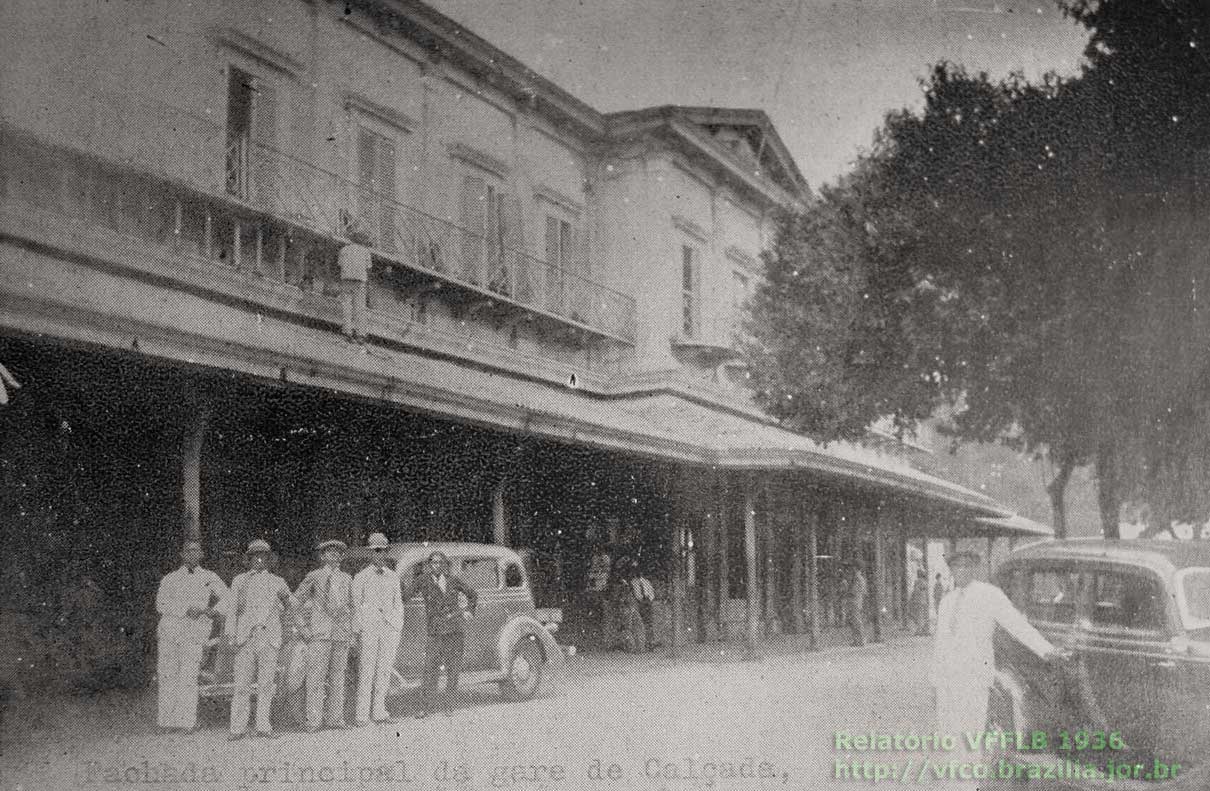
x=690 y=126
x=774 y=160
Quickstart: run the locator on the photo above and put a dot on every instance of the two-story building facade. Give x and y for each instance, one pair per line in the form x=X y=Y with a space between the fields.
x=543 y=352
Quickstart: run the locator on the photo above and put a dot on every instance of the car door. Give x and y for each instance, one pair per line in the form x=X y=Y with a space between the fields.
x=483 y=575
x=1053 y=596
x=1127 y=653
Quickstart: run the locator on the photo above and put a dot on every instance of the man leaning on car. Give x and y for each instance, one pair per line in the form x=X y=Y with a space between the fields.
x=963 y=664
x=445 y=635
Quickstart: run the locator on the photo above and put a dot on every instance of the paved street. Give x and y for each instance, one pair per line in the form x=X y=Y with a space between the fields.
x=708 y=721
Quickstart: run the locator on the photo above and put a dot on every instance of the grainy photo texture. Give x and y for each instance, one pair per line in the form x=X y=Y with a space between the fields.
x=652 y=395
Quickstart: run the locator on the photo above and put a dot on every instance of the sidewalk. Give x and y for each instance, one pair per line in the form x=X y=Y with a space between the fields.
x=833 y=641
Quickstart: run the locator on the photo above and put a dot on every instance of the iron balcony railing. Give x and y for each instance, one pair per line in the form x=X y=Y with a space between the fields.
x=197 y=152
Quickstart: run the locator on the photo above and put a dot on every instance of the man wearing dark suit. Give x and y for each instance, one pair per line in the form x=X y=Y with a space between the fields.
x=445 y=632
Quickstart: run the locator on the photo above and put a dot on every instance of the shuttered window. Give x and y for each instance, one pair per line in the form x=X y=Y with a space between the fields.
x=690 y=287
x=376 y=177
x=251 y=137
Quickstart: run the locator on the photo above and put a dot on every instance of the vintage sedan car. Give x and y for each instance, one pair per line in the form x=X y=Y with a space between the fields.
x=1135 y=616
x=509 y=641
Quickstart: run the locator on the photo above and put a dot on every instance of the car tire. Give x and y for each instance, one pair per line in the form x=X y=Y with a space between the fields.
x=523 y=674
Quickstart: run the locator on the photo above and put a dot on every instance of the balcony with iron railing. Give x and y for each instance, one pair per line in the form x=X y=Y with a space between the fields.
x=185 y=184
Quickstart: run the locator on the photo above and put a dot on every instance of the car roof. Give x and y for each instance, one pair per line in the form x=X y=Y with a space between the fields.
x=1160 y=555
x=454 y=549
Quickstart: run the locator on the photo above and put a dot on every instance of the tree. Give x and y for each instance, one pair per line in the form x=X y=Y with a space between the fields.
x=1021 y=247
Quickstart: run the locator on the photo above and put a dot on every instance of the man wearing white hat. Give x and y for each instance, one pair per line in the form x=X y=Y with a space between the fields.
x=184 y=604
x=376 y=594
x=254 y=608
x=326 y=595
x=963 y=664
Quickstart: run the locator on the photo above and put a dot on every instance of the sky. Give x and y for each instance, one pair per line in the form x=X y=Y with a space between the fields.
x=826 y=72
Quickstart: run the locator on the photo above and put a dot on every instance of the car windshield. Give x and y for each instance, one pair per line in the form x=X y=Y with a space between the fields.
x=1195 y=588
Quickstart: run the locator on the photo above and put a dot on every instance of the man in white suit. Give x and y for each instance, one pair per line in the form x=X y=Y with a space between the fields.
x=376 y=594
x=184 y=602
x=963 y=666
x=254 y=608
x=326 y=597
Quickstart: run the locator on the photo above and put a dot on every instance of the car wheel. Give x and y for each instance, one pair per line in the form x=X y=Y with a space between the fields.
x=524 y=671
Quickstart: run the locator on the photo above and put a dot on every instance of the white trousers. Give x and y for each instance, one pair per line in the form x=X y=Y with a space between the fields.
x=257 y=659
x=378 y=646
x=962 y=710
x=177 y=665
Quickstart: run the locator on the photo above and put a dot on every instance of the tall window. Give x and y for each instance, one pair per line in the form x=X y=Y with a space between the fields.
x=376 y=171
x=251 y=136
x=739 y=297
x=484 y=217
x=558 y=243
x=690 y=302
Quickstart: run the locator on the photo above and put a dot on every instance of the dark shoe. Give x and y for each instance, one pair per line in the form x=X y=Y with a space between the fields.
x=340 y=726
x=267 y=734
x=234 y=737
x=421 y=713
x=312 y=729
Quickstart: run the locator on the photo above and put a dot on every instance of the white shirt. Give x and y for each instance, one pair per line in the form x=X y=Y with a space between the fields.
x=642 y=589
x=377 y=598
x=181 y=589
x=963 y=650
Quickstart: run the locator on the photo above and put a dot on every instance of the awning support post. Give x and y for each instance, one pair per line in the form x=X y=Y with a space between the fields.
x=929 y=604
x=751 y=590
x=191 y=460
x=724 y=570
x=797 y=539
x=500 y=532
x=879 y=575
x=813 y=576
x=769 y=578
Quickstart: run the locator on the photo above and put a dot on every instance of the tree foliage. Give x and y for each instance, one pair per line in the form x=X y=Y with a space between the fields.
x=1029 y=249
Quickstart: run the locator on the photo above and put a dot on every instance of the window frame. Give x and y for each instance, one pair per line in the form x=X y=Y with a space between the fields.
x=491 y=562
x=691 y=299
x=1188 y=620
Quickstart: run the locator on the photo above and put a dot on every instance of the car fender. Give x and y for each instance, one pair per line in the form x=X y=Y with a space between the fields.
x=518 y=628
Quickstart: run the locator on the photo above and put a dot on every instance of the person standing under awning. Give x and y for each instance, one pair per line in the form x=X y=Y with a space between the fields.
x=184 y=602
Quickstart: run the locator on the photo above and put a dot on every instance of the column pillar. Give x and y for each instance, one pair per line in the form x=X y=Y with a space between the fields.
x=751 y=590
x=198 y=416
x=797 y=567
x=724 y=544
x=500 y=532
x=879 y=573
x=991 y=544
x=707 y=567
x=927 y=626
x=678 y=525
x=772 y=622
x=815 y=612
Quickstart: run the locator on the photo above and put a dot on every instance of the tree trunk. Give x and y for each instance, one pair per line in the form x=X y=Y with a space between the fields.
x=1160 y=522
x=1057 y=489
x=1107 y=489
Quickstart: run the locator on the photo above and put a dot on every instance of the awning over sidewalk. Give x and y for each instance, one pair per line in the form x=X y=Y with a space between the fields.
x=736 y=442
x=202 y=332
